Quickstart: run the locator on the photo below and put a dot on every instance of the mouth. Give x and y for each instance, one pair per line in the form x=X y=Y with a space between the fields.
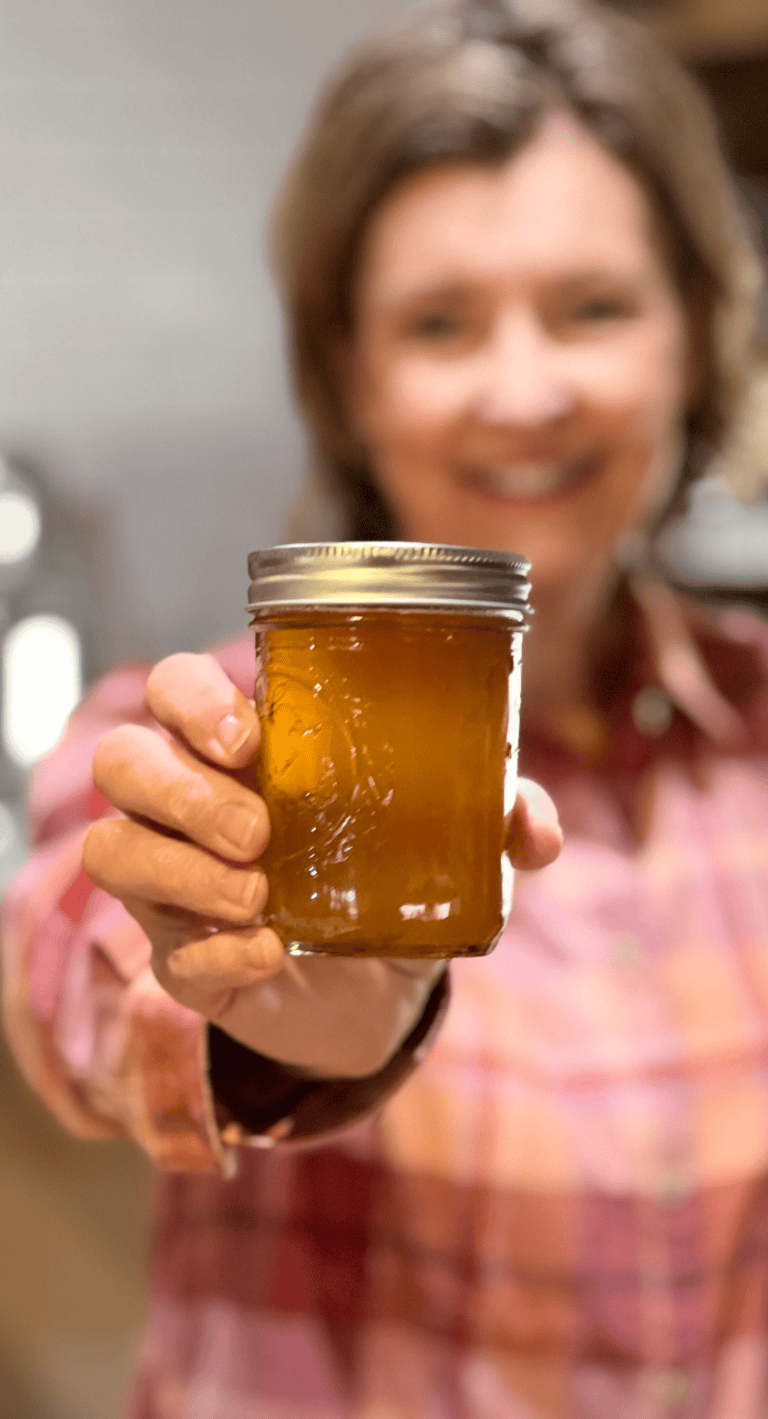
x=529 y=480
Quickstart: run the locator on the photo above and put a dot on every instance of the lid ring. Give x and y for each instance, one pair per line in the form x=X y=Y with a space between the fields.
x=356 y=575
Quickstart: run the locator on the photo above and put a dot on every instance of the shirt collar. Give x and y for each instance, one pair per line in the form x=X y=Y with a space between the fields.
x=679 y=666
x=652 y=655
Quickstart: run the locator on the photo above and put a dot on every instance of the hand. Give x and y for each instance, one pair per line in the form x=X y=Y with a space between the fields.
x=184 y=863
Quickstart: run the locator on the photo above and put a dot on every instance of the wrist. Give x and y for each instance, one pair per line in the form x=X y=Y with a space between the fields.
x=260 y=1101
x=332 y=1018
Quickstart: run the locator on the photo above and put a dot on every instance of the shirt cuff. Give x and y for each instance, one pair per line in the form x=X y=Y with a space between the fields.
x=132 y=1056
x=260 y=1102
x=110 y=1052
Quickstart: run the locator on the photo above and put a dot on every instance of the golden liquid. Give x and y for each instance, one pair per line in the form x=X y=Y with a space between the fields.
x=384 y=753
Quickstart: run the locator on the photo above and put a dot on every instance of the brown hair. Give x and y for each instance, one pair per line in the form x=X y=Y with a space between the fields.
x=470 y=81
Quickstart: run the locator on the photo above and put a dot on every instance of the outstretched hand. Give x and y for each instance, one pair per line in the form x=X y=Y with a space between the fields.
x=184 y=861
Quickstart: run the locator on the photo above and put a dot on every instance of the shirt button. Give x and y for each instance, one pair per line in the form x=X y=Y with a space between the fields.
x=652 y=711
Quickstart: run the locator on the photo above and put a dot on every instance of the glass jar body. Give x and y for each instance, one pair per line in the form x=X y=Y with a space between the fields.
x=388 y=766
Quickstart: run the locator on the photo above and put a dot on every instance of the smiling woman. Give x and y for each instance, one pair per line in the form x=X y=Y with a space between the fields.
x=515 y=384
x=544 y=412
x=470 y=86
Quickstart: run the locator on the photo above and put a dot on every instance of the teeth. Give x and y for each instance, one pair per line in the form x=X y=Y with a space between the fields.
x=526 y=479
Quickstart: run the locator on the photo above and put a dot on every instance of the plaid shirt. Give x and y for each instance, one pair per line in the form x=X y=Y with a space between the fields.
x=563 y=1211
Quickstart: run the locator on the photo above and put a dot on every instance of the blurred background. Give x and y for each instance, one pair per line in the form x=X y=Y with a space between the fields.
x=147 y=444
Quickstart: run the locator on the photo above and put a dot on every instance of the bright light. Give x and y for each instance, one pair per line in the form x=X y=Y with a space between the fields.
x=20 y=526
x=7 y=829
x=42 y=682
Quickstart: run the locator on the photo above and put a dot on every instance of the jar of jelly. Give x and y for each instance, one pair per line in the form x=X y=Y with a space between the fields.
x=388 y=689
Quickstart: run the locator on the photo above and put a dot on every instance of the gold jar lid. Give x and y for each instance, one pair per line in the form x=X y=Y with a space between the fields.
x=366 y=575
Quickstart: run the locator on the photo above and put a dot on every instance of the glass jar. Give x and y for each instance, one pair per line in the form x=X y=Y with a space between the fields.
x=388 y=689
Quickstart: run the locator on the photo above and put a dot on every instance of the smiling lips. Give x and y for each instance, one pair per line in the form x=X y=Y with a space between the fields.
x=532 y=479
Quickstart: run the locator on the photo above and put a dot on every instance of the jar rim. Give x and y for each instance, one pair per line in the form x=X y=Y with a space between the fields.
x=396 y=574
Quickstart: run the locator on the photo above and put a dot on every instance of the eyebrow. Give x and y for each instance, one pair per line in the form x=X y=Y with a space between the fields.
x=450 y=290
x=457 y=289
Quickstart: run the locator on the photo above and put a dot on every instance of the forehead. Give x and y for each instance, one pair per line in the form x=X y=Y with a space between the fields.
x=559 y=206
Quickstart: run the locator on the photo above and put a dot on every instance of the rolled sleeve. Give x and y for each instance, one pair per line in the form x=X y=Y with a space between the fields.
x=104 y=1046
x=112 y=1054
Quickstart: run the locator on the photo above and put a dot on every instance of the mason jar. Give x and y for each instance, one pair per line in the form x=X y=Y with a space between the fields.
x=388 y=689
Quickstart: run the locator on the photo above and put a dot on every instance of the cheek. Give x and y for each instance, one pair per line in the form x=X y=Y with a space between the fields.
x=643 y=384
x=647 y=412
x=637 y=411
x=410 y=404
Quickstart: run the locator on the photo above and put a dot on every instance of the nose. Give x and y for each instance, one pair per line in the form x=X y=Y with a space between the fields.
x=524 y=382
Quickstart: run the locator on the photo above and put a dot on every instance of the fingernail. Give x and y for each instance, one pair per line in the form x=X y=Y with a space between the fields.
x=245 y=890
x=237 y=825
x=232 y=733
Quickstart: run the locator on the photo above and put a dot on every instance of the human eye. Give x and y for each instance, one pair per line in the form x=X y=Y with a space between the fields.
x=438 y=326
x=601 y=309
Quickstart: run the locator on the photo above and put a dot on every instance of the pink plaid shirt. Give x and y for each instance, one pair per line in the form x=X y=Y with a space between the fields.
x=563 y=1210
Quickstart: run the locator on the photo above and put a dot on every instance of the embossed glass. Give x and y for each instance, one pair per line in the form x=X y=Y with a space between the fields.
x=388 y=690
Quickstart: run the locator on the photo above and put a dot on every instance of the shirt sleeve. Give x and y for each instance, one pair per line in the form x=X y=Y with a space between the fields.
x=98 y=1039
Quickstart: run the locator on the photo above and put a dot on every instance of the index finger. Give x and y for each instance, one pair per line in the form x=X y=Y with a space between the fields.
x=192 y=696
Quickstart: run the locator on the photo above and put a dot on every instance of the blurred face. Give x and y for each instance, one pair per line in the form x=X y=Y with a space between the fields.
x=517 y=368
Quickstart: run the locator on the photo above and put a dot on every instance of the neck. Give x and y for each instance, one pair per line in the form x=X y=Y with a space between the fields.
x=559 y=650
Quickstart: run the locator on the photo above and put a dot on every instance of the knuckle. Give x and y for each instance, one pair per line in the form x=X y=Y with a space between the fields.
x=166 y=674
x=117 y=747
x=108 y=753
x=173 y=668
x=183 y=803
x=197 y=802
x=98 y=852
x=180 y=660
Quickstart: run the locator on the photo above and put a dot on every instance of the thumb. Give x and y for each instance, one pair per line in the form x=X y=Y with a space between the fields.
x=534 y=835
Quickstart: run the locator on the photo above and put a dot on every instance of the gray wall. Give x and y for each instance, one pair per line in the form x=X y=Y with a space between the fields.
x=140 y=361
x=140 y=346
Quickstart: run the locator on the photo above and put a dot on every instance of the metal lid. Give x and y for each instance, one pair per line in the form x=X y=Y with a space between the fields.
x=355 y=575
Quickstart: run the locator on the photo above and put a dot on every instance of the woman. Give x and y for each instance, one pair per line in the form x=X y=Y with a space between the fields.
x=519 y=297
